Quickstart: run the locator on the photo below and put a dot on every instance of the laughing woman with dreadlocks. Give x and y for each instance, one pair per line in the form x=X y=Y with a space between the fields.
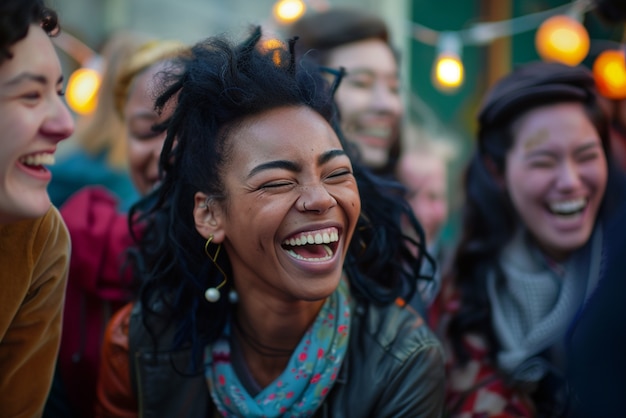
x=269 y=287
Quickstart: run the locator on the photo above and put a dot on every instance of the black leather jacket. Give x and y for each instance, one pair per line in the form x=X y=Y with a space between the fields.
x=394 y=367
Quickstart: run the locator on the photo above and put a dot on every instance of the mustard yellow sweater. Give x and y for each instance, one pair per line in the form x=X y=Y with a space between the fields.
x=34 y=261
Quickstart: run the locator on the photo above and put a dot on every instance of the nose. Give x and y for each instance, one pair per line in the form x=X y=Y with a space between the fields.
x=315 y=198
x=385 y=99
x=59 y=124
x=568 y=177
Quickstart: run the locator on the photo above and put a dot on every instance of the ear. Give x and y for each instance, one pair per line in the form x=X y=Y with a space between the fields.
x=208 y=217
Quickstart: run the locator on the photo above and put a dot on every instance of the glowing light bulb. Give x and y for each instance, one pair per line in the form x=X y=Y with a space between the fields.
x=82 y=90
x=288 y=11
x=562 y=39
x=609 y=71
x=448 y=72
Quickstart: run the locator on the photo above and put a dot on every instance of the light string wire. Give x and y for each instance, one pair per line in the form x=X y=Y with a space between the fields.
x=486 y=32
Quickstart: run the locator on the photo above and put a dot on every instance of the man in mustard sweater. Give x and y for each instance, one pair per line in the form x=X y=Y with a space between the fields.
x=34 y=243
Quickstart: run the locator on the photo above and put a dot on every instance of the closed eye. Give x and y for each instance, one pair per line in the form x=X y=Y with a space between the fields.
x=31 y=96
x=339 y=174
x=541 y=164
x=590 y=156
x=276 y=185
x=362 y=84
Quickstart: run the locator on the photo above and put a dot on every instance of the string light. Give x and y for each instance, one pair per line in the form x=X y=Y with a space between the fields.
x=562 y=39
x=448 y=71
x=82 y=88
x=486 y=32
x=609 y=71
x=288 y=11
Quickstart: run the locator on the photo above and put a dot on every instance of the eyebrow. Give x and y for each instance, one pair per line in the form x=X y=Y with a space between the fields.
x=586 y=147
x=369 y=72
x=581 y=149
x=292 y=166
x=30 y=77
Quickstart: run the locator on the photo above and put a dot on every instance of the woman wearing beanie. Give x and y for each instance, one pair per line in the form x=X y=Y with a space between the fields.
x=540 y=189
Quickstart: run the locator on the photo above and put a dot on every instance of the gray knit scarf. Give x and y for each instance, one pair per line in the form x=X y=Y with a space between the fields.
x=535 y=302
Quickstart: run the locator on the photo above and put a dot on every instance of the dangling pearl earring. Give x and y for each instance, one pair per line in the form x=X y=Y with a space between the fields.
x=212 y=294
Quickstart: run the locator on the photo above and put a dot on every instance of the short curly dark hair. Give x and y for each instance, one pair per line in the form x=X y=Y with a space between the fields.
x=15 y=18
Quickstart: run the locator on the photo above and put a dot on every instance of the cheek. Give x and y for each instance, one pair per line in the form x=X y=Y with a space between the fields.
x=134 y=163
x=349 y=200
x=527 y=192
x=596 y=176
x=351 y=101
x=20 y=127
x=527 y=201
x=419 y=204
x=138 y=154
x=396 y=105
x=441 y=210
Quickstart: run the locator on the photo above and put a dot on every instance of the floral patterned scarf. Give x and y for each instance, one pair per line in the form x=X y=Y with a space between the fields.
x=303 y=385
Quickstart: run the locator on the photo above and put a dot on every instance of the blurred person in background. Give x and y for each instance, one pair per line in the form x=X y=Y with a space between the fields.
x=368 y=97
x=540 y=190
x=423 y=171
x=97 y=152
x=269 y=287
x=34 y=242
x=597 y=343
x=97 y=284
x=614 y=107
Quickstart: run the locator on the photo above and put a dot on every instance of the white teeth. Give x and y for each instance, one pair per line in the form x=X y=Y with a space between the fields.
x=322 y=237
x=568 y=207
x=38 y=159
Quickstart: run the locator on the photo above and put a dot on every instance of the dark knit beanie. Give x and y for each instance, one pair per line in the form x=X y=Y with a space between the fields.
x=533 y=85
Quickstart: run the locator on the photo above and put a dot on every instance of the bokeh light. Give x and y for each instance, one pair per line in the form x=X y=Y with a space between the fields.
x=562 y=39
x=609 y=71
x=82 y=90
x=288 y=11
x=448 y=72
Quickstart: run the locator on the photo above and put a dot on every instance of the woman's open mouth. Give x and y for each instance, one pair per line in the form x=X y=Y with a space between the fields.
x=313 y=246
x=568 y=208
x=38 y=161
x=35 y=165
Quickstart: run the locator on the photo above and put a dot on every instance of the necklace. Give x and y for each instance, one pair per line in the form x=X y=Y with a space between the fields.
x=258 y=346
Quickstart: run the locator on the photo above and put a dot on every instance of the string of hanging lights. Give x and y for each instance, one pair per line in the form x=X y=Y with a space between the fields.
x=560 y=37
